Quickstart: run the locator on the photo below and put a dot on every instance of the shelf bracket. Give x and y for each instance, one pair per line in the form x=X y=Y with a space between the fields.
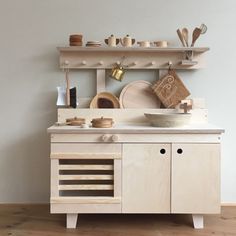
x=101 y=80
x=188 y=59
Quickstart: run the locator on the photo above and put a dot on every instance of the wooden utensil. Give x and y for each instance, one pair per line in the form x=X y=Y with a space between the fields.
x=196 y=33
x=181 y=37
x=203 y=28
x=67 y=88
x=185 y=35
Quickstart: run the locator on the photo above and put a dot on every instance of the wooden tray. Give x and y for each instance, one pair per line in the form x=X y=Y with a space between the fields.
x=138 y=94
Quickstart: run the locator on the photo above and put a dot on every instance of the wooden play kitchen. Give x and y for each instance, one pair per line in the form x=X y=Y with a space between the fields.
x=126 y=165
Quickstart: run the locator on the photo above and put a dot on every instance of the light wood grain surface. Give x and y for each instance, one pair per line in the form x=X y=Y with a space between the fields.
x=146 y=178
x=35 y=220
x=135 y=57
x=195 y=178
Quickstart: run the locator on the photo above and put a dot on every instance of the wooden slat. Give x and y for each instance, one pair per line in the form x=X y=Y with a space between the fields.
x=85 y=200
x=90 y=207
x=86 y=148
x=101 y=76
x=54 y=177
x=87 y=187
x=85 y=167
x=117 y=178
x=85 y=177
x=85 y=156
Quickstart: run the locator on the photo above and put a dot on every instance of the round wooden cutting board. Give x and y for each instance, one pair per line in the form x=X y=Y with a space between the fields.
x=139 y=94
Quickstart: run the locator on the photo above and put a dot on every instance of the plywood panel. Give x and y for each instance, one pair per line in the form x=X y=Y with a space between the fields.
x=195 y=178
x=146 y=178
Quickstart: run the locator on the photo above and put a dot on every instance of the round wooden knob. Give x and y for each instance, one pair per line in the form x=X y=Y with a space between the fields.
x=84 y=63
x=152 y=63
x=114 y=138
x=105 y=138
x=66 y=62
x=100 y=63
x=134 y=63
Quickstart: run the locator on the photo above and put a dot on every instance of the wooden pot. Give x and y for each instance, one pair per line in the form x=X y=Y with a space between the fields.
x=102 y=122
x=75 y=121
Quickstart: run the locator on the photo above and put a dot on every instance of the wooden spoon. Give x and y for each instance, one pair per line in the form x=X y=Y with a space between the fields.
x=196 y=33
x=181 y=37
x=185 y=35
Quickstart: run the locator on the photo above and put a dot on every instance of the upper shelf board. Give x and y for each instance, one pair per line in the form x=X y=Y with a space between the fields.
x=133 y=49
x=132 y=57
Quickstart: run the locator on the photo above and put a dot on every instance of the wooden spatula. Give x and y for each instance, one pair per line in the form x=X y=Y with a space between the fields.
x=181 y=37
x=185 y=35
x=196 y=33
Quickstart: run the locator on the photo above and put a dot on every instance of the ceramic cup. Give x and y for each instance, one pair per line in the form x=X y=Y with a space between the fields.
x=144 y=44
x=161 y=44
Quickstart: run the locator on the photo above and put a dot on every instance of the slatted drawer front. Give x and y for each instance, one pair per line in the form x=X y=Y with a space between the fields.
x=86 y=177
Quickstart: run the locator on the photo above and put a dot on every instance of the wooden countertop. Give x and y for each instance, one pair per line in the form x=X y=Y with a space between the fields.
x=140 y=128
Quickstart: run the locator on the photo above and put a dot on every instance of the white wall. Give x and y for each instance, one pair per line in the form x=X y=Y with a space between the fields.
x=30 y=31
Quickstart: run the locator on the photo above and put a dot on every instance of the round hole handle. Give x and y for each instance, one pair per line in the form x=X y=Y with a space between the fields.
x=163 y=151
x=179 y=150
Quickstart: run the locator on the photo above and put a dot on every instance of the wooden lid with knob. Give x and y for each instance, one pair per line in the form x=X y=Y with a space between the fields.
x=102 y=122
x=75 y=121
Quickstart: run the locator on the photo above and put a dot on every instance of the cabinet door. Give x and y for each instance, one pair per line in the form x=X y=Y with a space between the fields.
x=195 y=178
x=86 y=177
x=146 y=178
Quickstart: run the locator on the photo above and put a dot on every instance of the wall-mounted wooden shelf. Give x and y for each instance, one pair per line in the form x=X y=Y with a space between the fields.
x=134 y=49
x=153 y=58
x=135 y=57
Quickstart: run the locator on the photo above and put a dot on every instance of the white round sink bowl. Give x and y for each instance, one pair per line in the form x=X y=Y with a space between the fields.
x=168 y=119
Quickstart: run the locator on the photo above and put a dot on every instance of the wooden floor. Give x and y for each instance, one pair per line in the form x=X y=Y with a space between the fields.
x=32 y=220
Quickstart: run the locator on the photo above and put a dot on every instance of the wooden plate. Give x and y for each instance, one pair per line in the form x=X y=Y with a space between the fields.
x=139 y=94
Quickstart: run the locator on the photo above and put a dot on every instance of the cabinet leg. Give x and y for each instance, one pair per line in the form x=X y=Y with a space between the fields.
x=197 y=221
x=71 y=221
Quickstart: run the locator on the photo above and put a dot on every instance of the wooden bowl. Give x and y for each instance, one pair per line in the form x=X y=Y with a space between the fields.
x=170 y=119
x=105 y=100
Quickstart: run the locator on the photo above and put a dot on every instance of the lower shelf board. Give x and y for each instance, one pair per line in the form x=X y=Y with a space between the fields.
x=75 y=208
x=86 y=200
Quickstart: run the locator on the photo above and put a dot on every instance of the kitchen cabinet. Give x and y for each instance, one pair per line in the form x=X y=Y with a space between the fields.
x=142 y=170
x=132 y=167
